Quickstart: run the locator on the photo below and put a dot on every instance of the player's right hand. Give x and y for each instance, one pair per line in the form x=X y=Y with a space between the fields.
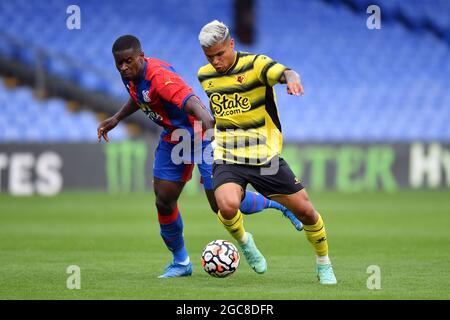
x=295 y=88
x=104 y=127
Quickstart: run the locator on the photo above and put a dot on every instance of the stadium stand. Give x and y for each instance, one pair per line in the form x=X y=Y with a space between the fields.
x=361 y=85
x=24 y=118
x=427 y=16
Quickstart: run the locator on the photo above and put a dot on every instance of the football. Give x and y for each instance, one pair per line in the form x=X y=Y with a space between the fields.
x=220 y=258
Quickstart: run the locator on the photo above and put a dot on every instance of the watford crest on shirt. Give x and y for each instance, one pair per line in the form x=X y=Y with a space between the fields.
x=241 y=78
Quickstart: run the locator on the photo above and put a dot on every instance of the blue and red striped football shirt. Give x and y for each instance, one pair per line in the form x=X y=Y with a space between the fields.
x=161 y=94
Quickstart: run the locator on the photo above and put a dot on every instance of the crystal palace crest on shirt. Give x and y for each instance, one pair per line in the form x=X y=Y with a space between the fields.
x=145 y=95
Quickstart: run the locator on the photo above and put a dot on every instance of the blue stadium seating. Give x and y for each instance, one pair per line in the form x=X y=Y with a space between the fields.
x=25 y=119
x=418 y=14
x=360 y=85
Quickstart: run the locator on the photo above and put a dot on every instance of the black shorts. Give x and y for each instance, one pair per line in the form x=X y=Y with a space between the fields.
x=283 y=182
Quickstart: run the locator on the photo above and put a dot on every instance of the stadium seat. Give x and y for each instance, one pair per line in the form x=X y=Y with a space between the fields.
x=360 y=85
x=51 y=120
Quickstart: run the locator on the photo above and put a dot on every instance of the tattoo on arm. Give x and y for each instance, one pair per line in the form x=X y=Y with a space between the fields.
x=289 y=76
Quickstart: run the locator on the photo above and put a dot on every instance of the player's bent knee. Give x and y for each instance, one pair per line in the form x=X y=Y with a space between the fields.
x=310 y=214
x=306 y=214
x=165 y=207
x=228 y=207
x=228 y=198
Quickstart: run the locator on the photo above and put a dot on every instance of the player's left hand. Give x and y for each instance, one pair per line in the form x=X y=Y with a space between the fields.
x=295 y=88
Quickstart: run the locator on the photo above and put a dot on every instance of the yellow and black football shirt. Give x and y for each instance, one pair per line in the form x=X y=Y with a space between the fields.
x=248 y=129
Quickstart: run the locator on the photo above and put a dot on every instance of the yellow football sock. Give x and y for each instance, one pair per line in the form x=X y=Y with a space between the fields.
x=235 y=226
x=317 y=237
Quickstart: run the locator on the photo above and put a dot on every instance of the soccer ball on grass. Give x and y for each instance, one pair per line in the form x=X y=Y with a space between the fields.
x=220 y=258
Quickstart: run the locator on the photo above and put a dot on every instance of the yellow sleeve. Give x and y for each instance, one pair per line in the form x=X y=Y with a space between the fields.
x=268 y=70
x=199 y=73
x=199 y=77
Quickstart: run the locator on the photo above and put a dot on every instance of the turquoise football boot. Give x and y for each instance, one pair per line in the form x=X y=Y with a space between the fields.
x=253 y=256
x=325 y=274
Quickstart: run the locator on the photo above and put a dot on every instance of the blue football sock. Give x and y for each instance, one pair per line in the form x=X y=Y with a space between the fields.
x=273 y=204
x=253 y=202
x=171 y=227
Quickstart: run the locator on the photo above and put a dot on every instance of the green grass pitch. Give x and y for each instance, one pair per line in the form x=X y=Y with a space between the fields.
x=115 y=241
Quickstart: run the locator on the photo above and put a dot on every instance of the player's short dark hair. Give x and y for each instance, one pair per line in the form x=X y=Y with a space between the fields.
x=126 y=42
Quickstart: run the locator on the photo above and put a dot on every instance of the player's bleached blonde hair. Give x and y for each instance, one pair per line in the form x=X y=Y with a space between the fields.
x=213 y=33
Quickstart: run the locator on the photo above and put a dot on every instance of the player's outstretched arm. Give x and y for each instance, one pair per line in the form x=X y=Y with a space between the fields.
x=105 y=126
x=292 y=80
x=195 y=107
